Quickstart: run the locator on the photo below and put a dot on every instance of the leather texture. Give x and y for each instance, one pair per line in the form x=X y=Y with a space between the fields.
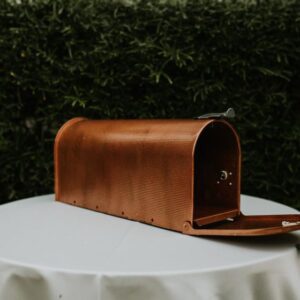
x=182 y=175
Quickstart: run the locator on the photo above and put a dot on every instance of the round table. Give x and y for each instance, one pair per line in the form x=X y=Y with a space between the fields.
x=51 y=250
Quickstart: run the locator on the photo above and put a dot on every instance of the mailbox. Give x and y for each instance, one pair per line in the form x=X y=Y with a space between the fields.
x=183 y=175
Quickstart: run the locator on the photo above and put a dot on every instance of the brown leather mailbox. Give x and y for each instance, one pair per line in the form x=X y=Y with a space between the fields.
x=182 y=175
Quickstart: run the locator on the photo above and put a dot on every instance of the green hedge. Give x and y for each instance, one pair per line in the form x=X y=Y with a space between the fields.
x=102 y=59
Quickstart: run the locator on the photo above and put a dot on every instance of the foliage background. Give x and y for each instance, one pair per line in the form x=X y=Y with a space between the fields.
x=102 y=59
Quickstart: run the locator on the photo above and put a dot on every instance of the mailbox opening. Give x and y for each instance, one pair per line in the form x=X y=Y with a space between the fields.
x=217 y=178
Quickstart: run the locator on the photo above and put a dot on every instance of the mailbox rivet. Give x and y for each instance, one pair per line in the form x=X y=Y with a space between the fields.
x=230 y=183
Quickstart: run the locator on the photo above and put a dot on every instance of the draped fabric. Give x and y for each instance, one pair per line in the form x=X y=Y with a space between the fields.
x=51 y=250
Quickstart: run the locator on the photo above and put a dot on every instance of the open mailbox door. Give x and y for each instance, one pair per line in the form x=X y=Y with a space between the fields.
x=182 y=175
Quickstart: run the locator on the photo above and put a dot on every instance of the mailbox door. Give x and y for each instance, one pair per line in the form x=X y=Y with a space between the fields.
x=248 y=226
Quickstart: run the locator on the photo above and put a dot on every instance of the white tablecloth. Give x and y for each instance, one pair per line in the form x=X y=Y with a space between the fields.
x=50 y=250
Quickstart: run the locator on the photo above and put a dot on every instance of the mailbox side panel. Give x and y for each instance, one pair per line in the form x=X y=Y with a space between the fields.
x=137 y=169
